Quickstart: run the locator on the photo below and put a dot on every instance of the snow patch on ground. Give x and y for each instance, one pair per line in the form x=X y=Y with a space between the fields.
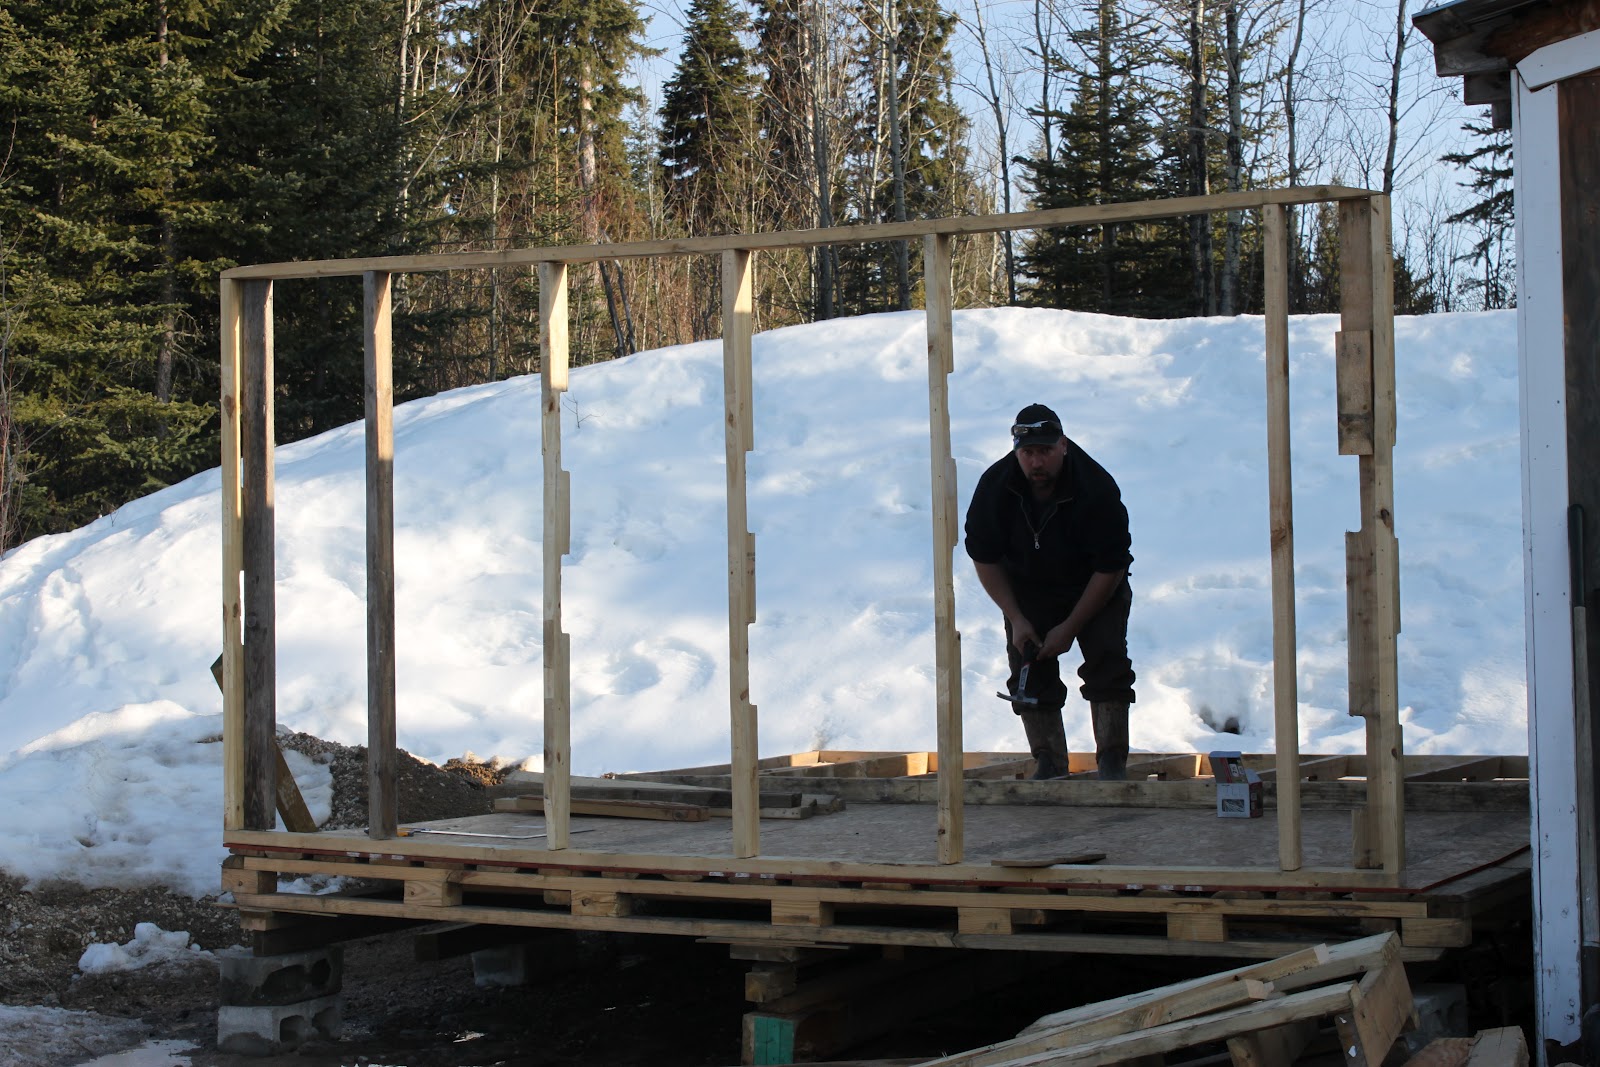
x=151 y=945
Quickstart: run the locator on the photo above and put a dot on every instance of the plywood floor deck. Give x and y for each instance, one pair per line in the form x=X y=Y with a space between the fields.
x=1440 y=845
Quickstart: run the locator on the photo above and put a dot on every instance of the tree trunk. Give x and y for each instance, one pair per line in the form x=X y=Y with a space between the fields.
x=1199 y=177
x=1401 y=28
x=897 y=159
x=588 y=176
x=819 y=148
x=1042 y=27
x=1108 y=232
x=1296 y=265
x=1001 y=125
x=1228 y=298
x=166 y=350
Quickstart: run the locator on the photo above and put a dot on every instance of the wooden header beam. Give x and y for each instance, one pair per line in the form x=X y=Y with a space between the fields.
x=1135 y=211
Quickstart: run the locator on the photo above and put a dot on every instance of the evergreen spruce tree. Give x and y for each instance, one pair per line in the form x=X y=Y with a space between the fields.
x=707 y=122
x=1105 y=149
x=1492 y=216
x=310 y=144
x=708 y=161
x=107 y=221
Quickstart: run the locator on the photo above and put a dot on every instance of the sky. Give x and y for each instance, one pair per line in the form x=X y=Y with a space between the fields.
x=107 y=633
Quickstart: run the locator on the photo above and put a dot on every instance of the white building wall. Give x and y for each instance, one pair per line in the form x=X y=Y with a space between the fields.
x=1542 y=363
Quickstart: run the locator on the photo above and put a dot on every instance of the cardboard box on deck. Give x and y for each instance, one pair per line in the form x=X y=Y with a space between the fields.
x=1238 y=788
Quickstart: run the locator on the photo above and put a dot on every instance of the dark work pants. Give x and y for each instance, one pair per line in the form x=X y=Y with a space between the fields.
x=1106 y=672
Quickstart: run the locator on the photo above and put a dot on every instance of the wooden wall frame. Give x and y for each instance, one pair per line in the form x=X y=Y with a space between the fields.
x=1366 y=419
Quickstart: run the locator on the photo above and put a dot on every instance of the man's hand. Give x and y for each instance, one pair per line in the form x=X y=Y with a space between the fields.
x=1058 y=642
x=1102 y=586
x=1023 y=635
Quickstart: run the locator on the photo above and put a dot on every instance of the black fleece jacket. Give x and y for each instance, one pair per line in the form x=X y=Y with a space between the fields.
x=1056 y=546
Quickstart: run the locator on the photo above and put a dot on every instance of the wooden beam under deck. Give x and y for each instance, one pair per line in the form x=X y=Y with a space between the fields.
x=795 y=896
x=758 y=932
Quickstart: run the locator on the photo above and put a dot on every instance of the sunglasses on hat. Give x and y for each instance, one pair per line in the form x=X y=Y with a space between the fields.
x=1043 y=432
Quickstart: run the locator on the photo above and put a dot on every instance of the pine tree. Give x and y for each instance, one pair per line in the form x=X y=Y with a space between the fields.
x=1492 y=216
x=707 y=122
x=1105 y=150
x=708 y=162
x=310 y=148
x=107 y=221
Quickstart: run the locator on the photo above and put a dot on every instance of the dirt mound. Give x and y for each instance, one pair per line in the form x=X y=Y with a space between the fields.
x=426 y=791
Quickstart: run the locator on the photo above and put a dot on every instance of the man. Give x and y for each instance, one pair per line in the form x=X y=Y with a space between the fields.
x=1048 y=534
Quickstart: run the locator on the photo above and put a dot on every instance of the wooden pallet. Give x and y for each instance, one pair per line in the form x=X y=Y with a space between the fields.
x=807 y=909
x=1361 y=985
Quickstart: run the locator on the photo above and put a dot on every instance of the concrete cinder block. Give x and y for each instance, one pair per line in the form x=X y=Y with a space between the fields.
x=292 y=978
x=1441 y=1013
x=271 y=1029
x=509 y=965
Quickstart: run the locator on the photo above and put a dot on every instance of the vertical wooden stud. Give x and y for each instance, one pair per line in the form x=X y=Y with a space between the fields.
x=1367 y=310
x=233 y=737
x=1388 y=751
x=260 y=614
x=947 y=640
x=738 y=328
x=553 y=358
x=382 y=799
x=1285 y=691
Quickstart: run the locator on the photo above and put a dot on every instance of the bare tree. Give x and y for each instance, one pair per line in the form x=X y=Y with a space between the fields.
x=1197 y=129
x=1396 y=66
x=1393 y=126
x=1233 y=164
x=997 y=94
x=1044 y=31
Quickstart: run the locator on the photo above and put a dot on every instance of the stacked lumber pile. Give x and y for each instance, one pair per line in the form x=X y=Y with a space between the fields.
x=522 y=791
x=1266 y=1013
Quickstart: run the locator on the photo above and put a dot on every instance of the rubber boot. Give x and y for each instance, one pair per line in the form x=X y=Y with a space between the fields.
x=1110 y=739
x=1047 y=738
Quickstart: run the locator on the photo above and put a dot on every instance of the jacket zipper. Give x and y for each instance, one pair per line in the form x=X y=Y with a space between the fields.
x=1023 y=504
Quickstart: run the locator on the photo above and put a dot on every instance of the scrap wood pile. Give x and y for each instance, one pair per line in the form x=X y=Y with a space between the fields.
x=522 y=791
x=1266 y=1013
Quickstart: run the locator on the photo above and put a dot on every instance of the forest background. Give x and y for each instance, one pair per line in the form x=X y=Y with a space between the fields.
x=146 y=145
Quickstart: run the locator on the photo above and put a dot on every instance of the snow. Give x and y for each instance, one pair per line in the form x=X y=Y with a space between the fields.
x=110 y=760
x=150 y=946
